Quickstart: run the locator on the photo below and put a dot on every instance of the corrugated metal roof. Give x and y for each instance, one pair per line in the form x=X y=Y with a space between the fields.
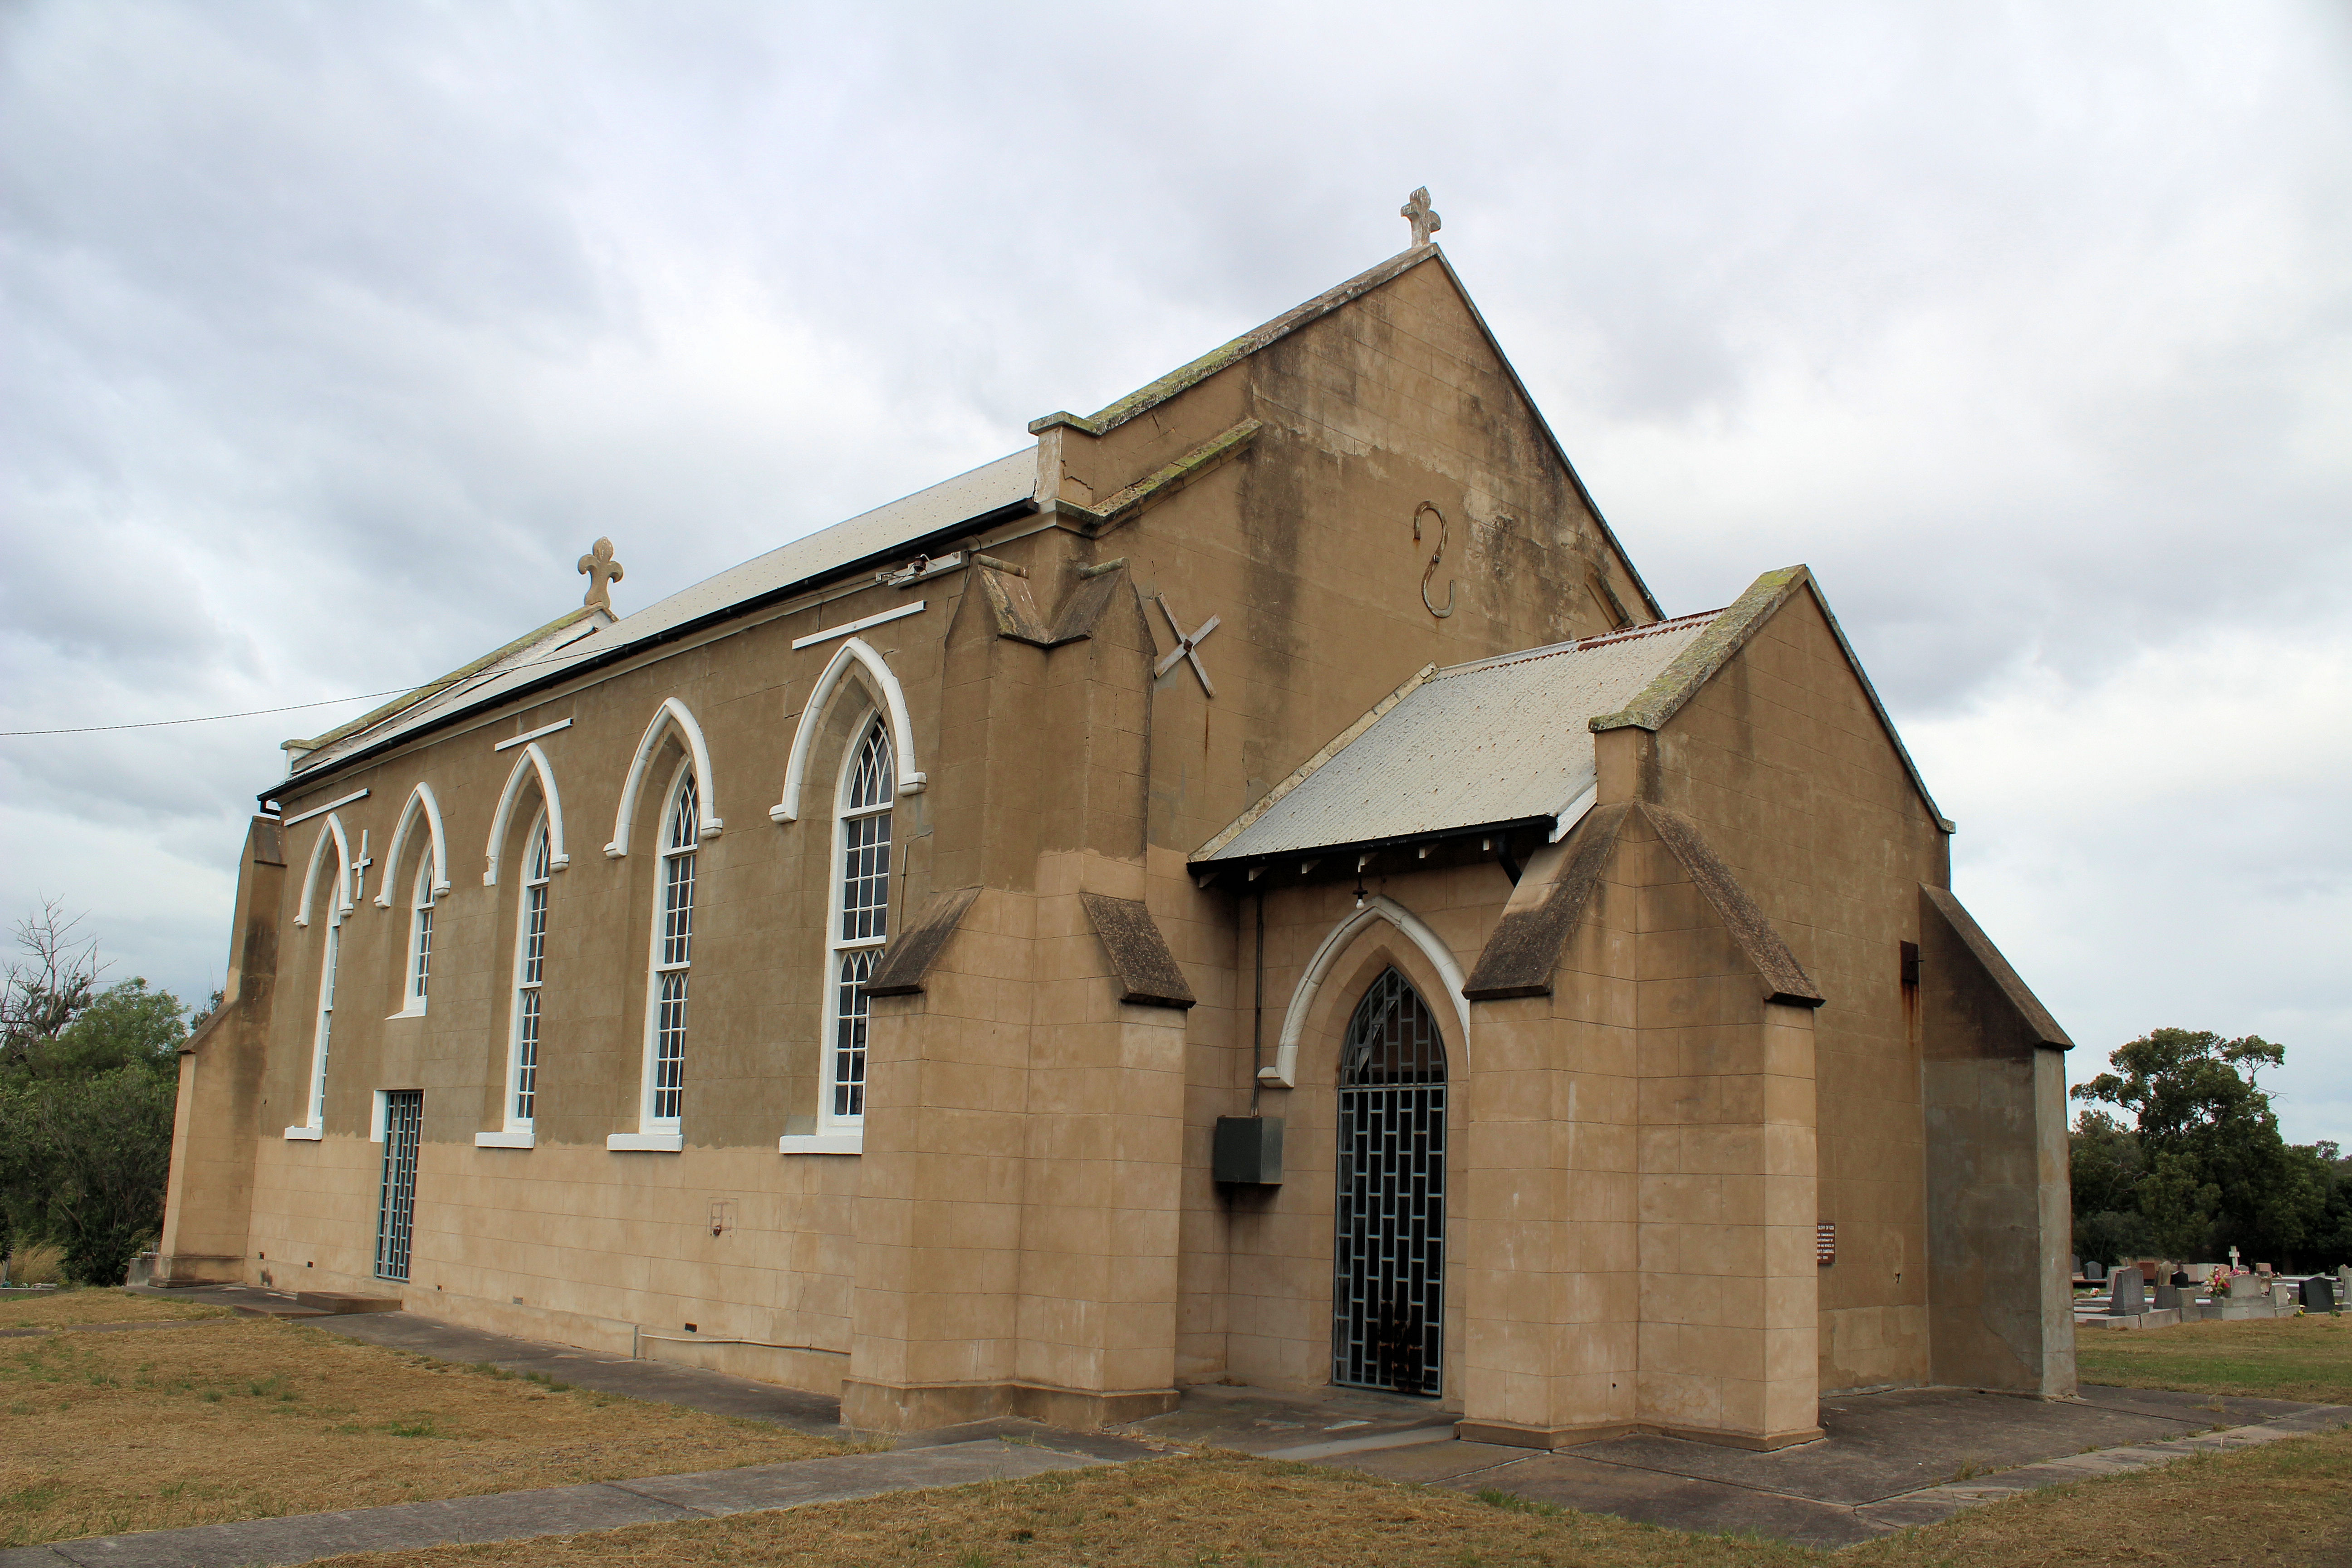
x=992 y=487
x=1502 y=740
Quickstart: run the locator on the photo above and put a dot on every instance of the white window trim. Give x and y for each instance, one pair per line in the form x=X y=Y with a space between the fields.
x=521 y=1126
x=661 y=1134
x=645 y=1143
x=830 y=1126
x=533 y=762
x=313 y=1127
x=894 y=702
x=332 y=831
x=821 y=1144
x=421 y=802
x=697 y=756
x=1283 y=1071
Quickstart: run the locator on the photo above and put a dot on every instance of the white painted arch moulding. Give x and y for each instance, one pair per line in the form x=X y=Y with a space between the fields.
x=697 y=756
x=420 y=801
x=894 y=704
x=532 y=763
x=1283 y=1073
x=331 y=831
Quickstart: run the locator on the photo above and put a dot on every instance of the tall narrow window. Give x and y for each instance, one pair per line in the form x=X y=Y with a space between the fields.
x=420 y=937
x=531 y=968
x=861 y=922
x=326 y=1029
x=673 y=953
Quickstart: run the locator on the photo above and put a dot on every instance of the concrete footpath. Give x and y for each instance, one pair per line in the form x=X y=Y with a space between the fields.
x=561 y=1511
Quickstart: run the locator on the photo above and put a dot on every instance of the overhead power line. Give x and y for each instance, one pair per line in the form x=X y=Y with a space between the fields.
x=289 y=708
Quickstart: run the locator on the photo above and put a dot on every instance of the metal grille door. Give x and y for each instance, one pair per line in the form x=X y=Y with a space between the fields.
x=1388 y=1290
x=404 y=1129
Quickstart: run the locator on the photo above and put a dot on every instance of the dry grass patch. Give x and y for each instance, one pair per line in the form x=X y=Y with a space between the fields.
x=2288 y=1503
x=57 y=1308
x=247 y=1418
x=1200 y=1509
x=2275 y=1358
x=36 y=1262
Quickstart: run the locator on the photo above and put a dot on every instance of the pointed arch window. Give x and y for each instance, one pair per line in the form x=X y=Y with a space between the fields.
x=531 y=971
x=673 y=958
x=325 y=1036
x=860 y=919
x=418 y=969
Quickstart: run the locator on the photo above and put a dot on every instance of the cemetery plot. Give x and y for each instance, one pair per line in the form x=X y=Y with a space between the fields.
x=2307 y=1358
x=200 y=1423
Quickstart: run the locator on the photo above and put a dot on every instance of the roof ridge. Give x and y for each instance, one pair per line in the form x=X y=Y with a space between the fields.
x=1578 y=645
x=431 y=689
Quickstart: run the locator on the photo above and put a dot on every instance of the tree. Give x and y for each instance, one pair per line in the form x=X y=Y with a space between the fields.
x=49 y=986
x=2106 y=1171
x=88 y=1085
x=2214 y=1172
x=102 y=1146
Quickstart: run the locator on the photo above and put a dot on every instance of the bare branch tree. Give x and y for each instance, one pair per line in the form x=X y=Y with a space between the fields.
x=52 y=981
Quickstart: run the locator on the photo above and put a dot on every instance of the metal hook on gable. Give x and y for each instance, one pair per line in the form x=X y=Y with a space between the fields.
x=1435 y=556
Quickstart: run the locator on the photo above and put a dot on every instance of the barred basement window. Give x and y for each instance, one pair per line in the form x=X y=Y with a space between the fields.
x=530 y=969
x=673 y=955
x=860 y=922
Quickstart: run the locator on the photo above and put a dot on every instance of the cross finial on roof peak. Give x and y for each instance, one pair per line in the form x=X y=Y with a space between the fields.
x=1424 y=218
x=602 y=572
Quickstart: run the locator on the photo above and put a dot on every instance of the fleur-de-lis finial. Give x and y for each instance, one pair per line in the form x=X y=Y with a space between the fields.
x=1424 y=218
x=602 y=572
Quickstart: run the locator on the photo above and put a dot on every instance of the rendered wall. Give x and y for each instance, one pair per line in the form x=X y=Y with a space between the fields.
x=1784 y=764
x=1999 y=1220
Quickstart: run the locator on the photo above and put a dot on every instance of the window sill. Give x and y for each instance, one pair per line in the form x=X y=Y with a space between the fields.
x=645 y=1143
x=405 y=1013
x=305 y=1134
x=525 y=1139
x=822 y=1144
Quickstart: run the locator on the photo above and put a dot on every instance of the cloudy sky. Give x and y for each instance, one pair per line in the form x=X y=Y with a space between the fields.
x=333 y=334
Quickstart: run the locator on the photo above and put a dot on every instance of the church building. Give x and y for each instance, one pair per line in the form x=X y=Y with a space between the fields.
x=1249 y=887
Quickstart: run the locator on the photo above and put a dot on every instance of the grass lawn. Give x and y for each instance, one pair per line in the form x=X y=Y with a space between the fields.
x=2288 y=1503
x=52 y=1309
x=198 y=1423
x=2275 y=1358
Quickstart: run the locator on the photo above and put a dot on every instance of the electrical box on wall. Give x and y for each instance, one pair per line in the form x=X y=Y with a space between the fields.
x=1248 y=1150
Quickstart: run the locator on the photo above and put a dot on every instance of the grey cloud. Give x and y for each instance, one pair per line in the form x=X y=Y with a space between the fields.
x=334 y=334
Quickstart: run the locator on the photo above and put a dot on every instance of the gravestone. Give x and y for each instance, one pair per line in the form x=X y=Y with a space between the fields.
x=2282 y=1293
x=2245 y=1287
x=2094 y=1270
x=2130 y=1296
x=2319 y=1294
x=2172 y=1295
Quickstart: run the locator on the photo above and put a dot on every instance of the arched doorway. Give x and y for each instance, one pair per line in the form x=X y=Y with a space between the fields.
x=1388 y=1288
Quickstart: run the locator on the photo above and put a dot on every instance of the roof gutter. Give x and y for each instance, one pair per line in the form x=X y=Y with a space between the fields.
x=1204 y=871
x=1023 y=508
